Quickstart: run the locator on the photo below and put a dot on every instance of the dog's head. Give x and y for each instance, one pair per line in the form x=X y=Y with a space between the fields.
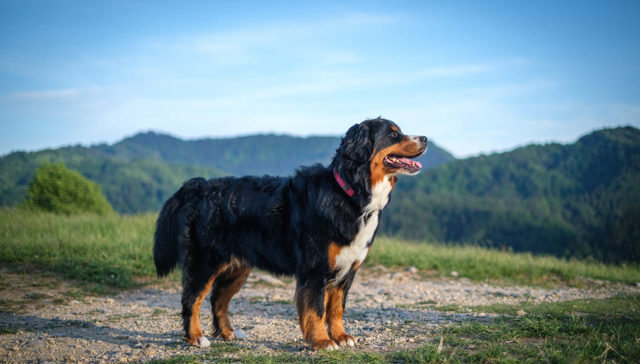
x=377 y=149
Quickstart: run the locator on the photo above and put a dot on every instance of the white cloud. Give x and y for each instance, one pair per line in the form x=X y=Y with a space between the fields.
x=43 y=94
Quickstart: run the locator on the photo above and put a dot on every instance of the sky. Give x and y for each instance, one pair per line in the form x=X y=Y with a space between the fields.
x=474 y=76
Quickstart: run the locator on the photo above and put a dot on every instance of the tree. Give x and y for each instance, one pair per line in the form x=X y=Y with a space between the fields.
x=55 y=188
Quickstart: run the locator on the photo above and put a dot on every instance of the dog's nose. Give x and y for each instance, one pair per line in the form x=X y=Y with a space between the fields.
x=423 y=139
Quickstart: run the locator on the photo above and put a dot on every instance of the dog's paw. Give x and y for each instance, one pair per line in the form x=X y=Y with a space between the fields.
x=325 y=345
x=227 y=335
x=346 y=340
x=201 y=342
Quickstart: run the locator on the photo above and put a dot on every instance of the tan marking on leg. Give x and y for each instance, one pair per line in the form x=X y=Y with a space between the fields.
x=312 y=325
x=334 y=250
x=355 y=265
x=335 y=312
x=195 y=331
x=235 y=276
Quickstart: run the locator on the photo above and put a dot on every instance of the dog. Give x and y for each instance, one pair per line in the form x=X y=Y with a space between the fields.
x=317 y=225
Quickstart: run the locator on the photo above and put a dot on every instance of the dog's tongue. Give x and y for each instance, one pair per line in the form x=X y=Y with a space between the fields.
x=409 y=162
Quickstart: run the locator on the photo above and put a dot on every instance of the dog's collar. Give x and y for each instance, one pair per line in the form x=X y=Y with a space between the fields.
x=343 y=185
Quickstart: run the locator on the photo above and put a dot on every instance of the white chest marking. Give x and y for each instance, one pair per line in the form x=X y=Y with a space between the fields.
x=357 y=250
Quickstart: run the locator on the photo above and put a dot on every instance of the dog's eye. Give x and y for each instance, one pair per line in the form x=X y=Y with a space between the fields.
x=394 y=134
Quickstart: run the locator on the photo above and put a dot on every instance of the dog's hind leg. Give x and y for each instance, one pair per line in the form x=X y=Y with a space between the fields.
x=196 y=283
x=225 y=286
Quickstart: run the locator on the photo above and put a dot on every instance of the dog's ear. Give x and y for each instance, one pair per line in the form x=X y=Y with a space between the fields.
x=356 y=145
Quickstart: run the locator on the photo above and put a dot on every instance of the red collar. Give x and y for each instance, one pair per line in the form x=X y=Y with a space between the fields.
x=344 y=185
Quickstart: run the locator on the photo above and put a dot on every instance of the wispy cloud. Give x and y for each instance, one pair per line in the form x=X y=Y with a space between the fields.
x=472 y=68
x=43 y=94
x=252 y=44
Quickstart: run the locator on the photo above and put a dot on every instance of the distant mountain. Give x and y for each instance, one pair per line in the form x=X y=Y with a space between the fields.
x=580 y=199
x=248 y=155
x=140 y=172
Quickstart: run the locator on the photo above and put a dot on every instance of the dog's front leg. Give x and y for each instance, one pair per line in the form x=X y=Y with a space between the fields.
x=311 y=300
x=336 y=301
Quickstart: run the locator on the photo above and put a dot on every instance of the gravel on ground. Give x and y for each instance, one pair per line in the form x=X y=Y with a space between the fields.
x=45 y=320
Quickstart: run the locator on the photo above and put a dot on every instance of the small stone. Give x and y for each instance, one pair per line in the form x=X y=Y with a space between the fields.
x=35 y=343
x=521 y=313
x=454 y=273
x=412 y=270
x=239 y=334
x=266 y=278
x=149 y=352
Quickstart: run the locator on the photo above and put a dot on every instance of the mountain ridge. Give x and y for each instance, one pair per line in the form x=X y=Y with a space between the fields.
x=577 y=199
x=255 y=154
x=138 y=173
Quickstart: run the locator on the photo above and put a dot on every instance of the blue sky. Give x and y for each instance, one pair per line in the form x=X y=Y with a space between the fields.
x=476 y=77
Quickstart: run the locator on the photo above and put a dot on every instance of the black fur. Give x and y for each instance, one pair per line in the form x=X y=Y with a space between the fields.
x=283 y=225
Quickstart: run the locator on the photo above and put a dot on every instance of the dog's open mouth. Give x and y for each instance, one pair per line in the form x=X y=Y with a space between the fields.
x=403 y=163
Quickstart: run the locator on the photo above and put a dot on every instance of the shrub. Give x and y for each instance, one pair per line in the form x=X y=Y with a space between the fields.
x=55 y=188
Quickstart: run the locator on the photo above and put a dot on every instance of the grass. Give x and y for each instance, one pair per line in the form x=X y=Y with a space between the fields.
x=104 y=252
x=108 y=253
x=114 y=252
x=572 y=331
x=481 y=264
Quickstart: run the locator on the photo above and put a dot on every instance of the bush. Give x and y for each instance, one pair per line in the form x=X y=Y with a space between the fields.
x=55 y=188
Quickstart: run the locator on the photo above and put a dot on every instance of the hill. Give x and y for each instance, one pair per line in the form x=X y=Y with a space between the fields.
x=247 y=155
x=139 y=173
x=129 y=185
x=580 y=199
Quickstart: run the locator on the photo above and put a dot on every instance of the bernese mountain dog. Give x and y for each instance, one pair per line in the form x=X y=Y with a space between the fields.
x=317 y=225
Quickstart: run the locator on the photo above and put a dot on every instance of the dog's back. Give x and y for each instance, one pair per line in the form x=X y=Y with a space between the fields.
x=227 y=217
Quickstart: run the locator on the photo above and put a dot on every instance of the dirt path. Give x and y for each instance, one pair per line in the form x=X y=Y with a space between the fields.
x=387 y=310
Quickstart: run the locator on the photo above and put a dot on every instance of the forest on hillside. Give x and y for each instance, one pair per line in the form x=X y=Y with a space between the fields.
x=573 y=200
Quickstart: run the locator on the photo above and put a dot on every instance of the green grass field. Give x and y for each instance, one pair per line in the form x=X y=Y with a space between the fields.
x=101 y=252
x=107 y=254
x=481 y=264
x=114 y=252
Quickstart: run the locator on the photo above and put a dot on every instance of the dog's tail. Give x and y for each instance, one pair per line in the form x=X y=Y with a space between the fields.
x=173 y=228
